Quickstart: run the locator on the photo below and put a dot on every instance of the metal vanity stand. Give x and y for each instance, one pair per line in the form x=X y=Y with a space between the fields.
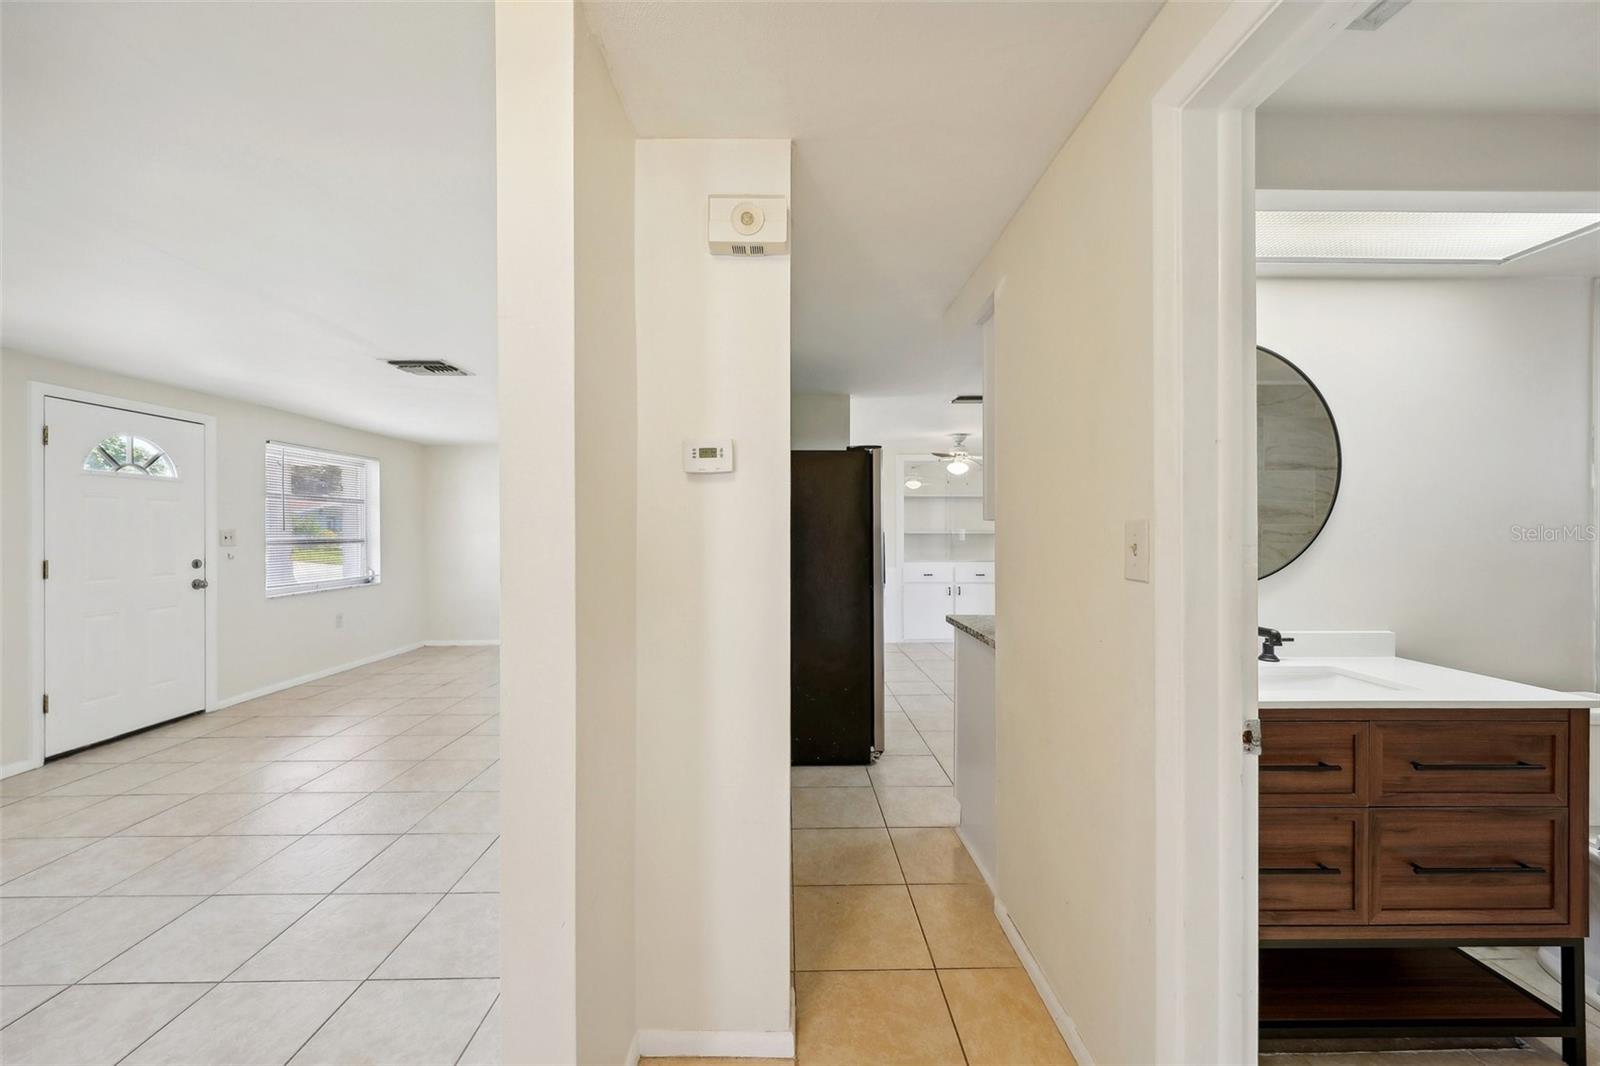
x=1391 y=839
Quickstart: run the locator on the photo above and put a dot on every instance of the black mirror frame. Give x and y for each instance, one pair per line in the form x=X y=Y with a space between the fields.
x=1338 y=455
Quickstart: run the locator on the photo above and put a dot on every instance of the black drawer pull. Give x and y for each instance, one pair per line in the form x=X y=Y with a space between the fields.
x=1519 y=868
x=1318 y=767
x=1321 y=869
x=1520 y=764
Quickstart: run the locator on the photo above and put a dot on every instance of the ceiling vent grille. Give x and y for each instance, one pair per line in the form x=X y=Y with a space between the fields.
x=429 y=368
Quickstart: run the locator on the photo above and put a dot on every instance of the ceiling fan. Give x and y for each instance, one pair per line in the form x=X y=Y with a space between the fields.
x=959 y=460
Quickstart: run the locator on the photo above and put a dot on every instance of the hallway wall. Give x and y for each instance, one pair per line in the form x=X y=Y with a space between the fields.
x=713 y=565
x=1075 y=699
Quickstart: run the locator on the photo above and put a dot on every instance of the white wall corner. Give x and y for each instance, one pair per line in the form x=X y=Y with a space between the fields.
x=1058 y=1013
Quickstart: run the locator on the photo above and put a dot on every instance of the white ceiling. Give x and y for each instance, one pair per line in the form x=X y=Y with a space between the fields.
x=258 y=200
x=1454 y=59
x=1497 y=56
x=918 y=129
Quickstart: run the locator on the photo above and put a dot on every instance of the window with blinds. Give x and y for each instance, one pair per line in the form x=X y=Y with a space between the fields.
x=322 y=520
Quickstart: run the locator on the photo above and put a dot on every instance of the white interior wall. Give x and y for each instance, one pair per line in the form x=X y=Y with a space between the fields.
x=1075 y=699
x=535 y=276
x=1437 y=152
x=607 y=462
x=1463 y=410
x=261 y=642
x=461 y=534
x=819 y=421
x=713 y=602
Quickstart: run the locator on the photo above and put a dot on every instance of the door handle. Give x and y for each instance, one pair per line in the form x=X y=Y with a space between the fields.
x=199 y=583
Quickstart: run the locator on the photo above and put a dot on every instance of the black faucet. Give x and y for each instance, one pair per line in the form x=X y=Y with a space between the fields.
x=1270 y=639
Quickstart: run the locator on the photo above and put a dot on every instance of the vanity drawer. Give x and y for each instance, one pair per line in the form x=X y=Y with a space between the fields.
x=1312 y=763
x=1466 y=867
x=1477 y=763
x=1311 y=862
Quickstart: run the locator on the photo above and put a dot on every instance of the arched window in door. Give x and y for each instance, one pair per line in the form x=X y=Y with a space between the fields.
x=127 y=454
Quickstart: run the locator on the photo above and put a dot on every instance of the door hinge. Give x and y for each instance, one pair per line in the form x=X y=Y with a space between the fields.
x=47 y=436
x=47 y=570
x=46 y=703
x=1252 y=736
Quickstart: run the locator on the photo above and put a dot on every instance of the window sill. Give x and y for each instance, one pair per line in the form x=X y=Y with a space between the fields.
x=278 y=594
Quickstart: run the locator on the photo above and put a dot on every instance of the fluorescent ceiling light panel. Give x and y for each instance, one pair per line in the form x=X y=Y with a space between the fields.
x=1412 y=236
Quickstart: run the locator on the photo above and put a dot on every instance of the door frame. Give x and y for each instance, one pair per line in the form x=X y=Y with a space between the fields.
x=38 y=392
x=1204 y=523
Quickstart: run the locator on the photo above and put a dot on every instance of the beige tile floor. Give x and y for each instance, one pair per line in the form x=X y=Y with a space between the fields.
x=898 y=957
x=310 y=877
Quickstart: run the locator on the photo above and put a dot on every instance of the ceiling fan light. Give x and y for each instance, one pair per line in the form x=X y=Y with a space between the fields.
x=957 y=467
x=913 y=484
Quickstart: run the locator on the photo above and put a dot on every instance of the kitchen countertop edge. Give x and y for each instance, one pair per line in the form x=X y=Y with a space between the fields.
x=978 y=626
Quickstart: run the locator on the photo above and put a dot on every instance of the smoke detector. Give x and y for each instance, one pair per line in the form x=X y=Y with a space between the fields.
x=429 y=368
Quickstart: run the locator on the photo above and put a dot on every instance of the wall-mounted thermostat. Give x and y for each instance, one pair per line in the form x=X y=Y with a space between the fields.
x=708 y=456
x=748 y=225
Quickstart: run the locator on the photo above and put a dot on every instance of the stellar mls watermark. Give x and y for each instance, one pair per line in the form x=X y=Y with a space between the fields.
x=1543 y=534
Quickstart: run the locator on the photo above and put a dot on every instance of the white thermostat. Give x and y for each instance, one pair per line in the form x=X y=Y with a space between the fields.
x=748 y=225
x=708 y=456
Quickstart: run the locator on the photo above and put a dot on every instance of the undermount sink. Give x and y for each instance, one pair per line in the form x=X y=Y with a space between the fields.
x=1332 y=680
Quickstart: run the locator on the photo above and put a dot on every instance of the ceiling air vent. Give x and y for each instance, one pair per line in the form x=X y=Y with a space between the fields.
x=429 y=368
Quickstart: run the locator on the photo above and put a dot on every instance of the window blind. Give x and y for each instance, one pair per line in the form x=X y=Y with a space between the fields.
x=321 y=519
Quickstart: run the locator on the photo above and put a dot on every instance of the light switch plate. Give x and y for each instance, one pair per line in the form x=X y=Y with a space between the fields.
x=1136 y=549
x=229 y=537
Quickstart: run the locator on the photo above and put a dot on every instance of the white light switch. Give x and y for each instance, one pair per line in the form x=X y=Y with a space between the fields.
x=1136 y=549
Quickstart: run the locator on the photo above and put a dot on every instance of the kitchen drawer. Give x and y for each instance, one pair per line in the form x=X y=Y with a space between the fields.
x=1311 y=867
x=973 y=572
x=1469 y=867
x=930 y=573
x=1477 y=763
x=1313 y=763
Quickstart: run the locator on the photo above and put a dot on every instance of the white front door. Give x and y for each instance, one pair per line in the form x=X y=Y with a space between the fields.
x=124 y=536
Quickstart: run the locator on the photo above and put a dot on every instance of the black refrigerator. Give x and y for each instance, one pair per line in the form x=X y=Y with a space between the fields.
x=836 y=607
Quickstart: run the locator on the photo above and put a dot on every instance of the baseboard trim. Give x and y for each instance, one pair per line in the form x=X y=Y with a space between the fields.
x=462 y=643
x=713 y=1044
x=988 y=878
x=633 y=1052
x=21 y=766
x=1058 y=1013
x=279 y=686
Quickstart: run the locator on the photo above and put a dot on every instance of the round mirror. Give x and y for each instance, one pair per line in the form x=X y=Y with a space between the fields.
x=1297 y=462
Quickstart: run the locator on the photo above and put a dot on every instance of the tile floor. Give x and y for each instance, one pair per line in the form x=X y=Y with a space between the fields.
x=898 y=957
x=310 y=877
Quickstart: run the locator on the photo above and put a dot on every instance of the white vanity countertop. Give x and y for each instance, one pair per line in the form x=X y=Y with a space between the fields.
x=1384 y=680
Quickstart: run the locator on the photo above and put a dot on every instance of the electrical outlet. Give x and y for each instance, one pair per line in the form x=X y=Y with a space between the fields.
x=338 y=620
x=1136 y=549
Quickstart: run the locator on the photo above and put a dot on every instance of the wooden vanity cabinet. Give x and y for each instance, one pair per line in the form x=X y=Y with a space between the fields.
x=1423 y=825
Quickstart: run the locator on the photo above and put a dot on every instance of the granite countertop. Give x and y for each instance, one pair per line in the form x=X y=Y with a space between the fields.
x=974 y=625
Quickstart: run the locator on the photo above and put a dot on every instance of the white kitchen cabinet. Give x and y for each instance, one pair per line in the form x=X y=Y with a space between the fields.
x=929 y=591
x=925 y=603
x=974 y=597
